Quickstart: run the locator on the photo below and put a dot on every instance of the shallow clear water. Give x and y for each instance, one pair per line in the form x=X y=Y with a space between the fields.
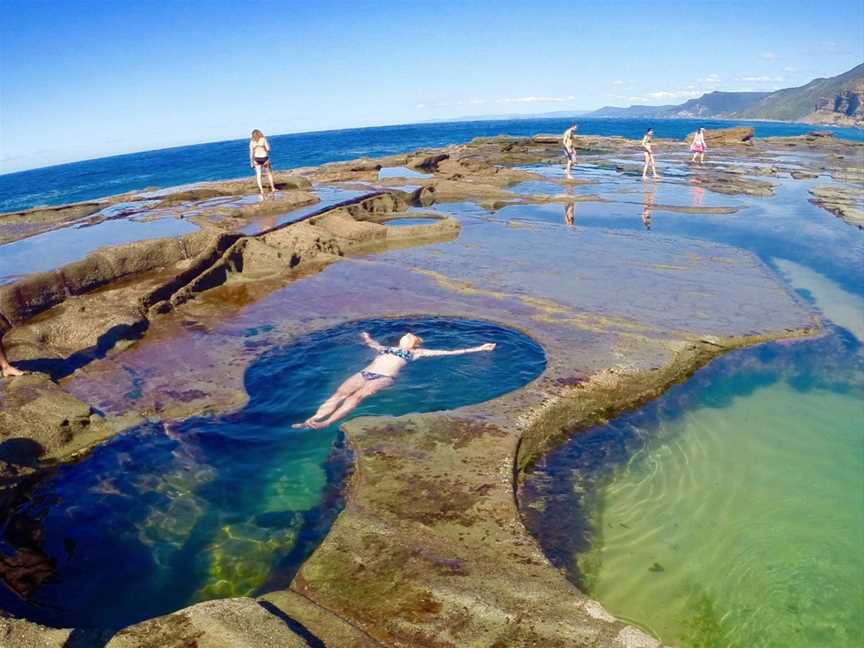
x=222 y=160
x=730 y=512
x=400 y=172
x=409 y=221
x=328 y=196
x=50 y=250
x=223 y=506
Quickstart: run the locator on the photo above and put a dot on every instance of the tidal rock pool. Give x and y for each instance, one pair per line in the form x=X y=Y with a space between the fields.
x=169 y=514
x=730 y=512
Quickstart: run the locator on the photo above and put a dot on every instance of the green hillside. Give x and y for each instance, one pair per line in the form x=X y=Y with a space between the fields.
x=793 y=104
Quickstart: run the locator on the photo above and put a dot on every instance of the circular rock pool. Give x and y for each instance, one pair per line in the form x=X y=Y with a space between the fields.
x=164 y=516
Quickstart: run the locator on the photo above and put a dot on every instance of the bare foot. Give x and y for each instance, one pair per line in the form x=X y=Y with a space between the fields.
x=9 y=371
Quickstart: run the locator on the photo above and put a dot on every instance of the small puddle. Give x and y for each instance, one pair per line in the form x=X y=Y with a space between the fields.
x=400 y=172
x=213 y=507
x=401 y=222
x=56 y=248
x=328 y=196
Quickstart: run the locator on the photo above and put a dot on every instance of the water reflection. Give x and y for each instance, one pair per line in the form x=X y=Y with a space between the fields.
x=649 y=193
x=698 y=194
x=570 y=213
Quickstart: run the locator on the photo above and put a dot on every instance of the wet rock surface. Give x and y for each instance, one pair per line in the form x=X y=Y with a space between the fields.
x=845 y=202
x=240 y=623
x=430 y=549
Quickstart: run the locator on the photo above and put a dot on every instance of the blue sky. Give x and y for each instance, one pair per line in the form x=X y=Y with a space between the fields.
x=82 y=79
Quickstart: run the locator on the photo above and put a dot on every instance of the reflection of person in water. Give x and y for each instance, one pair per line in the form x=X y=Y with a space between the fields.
x=570 y=213
x=379 y=374
x=648 y=205
x=698 y=195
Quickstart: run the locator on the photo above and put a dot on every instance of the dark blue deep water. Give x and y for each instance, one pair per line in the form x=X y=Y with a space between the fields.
x=221 y=160
x=159 y=518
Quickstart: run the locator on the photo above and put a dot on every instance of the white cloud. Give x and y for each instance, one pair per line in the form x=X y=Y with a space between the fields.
x=617 y=82
x=769 y=56
x=676 y=94
x=503 y=100
x=761 y=79
x=790 y=68
x=533 y=99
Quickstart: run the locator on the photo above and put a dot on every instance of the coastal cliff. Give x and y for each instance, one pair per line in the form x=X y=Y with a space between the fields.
x=837 y=100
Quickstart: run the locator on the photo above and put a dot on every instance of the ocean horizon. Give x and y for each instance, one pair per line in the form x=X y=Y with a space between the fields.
x=222 y=160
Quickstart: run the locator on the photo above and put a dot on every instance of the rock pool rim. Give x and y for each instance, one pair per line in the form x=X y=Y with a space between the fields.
x=523 y=359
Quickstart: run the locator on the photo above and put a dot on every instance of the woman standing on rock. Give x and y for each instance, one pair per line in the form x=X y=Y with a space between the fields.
x=569 y=146
x=648 y=153
x=259 y=158
x=698 y=146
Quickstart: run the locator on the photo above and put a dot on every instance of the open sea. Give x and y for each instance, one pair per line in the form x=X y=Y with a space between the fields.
x=91 y=179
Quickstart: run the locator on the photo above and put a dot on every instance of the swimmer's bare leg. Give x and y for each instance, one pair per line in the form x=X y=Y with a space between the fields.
x=348 y=405
x=258 y=179
x=270 y=175
x=351 y=385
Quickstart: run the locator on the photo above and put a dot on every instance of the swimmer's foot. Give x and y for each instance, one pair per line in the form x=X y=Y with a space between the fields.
x=9 y=371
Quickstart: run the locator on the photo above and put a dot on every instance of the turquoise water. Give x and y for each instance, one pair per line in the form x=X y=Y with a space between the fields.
x=212 y=507
x=222 y=160
x=730 y=512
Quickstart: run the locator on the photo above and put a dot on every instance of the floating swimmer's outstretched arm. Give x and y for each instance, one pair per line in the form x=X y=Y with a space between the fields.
x=370 y=342
x=437 y=353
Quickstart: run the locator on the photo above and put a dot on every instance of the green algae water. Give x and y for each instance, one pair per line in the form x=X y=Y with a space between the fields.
x=171 y=514
x=730 y=512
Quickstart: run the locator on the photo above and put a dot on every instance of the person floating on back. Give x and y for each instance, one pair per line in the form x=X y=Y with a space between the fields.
x=379 y=374
x=569 y=146
x=698 y=146
x=259 y=158
x=648 y=152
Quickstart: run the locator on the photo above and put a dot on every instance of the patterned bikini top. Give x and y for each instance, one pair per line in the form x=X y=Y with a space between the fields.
x=405 y=354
